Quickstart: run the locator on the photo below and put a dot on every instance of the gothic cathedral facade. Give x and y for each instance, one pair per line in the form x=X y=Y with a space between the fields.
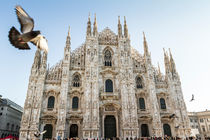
x=104 y=88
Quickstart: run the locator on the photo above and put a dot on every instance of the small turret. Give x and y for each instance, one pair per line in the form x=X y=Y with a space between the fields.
x=95 y=27
x=88 y=33
x=125 y=28
x=119 y=28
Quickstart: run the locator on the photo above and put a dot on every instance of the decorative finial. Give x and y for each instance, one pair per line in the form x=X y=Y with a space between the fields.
x=95 y=16
x=164 y=51
x=89 y=16
x=118 y=19
x=170 y=53
x=88 y=33
x=69 y=31
x=144 y=36
x=145 y=45
x=95 y=21
x=125 y=28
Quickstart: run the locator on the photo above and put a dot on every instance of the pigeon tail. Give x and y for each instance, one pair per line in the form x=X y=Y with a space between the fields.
x=16 y=41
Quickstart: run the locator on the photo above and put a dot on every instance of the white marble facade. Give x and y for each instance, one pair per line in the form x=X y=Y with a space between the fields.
x=104 y=87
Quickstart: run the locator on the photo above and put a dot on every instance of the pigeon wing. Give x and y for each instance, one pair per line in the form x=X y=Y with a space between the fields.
x=40 y=42
x=43 y=132
x=26 y=22
x=13 y=38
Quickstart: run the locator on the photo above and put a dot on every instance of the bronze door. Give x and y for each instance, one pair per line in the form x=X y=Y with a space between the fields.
x=73 y=131
x=109 y=126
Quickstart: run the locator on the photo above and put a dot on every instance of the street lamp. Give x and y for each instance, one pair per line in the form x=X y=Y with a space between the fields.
x=0 y=98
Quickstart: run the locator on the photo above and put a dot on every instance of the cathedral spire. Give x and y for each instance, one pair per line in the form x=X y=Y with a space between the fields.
x=172 y=63
x=146 y=52
x=166 y=61
x=88 y=33
x=68 y=39
x=95 y=27
x=119 y=28
x=69 y=32
x=125 y=28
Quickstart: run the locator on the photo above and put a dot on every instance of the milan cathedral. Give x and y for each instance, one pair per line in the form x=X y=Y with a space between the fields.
x=104 y=88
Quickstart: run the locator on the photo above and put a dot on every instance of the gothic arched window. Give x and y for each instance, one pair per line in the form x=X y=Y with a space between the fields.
x=142 y=103
x=107 y=58
x=51 y=102
x=162 y=103
x=109 y=85
x=139 y=83
x=76 y=80
x=75 y=103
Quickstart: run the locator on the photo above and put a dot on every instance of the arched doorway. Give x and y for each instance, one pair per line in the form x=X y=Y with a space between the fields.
x=167 y=129
x=144 y=130
x=49 y=129
x=73 y=131
x=109 y=126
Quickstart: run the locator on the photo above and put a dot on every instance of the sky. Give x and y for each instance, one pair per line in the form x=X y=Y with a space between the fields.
x=182 y=26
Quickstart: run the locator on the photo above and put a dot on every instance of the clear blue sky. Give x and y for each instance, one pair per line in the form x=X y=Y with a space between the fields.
x=183 y=26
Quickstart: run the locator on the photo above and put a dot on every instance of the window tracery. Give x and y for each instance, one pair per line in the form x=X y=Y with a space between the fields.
x=107 y=58
x=139 y=82
x=76 y=80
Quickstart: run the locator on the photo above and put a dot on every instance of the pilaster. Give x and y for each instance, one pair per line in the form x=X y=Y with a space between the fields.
x=91 y=97
x=62 y=107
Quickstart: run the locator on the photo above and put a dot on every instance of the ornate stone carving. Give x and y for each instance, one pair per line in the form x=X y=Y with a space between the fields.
x=107 y=37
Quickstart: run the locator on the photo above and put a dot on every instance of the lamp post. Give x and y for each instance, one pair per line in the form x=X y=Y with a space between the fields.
x=0 y=99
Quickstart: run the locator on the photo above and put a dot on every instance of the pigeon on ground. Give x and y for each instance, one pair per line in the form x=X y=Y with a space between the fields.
x=19 y=40
x=192 y=98
x=38 y=134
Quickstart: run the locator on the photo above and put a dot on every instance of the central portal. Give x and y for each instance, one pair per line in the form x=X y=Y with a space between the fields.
x=109 y=126
x=73 y=131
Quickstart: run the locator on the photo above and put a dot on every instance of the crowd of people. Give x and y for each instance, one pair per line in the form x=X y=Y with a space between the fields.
x=140 y=138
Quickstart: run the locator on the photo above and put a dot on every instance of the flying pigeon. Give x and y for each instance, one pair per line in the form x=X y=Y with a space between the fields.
x=192 y=98
x=38 y=134
x=19 y=40
x=171 y=116
x=177 y=126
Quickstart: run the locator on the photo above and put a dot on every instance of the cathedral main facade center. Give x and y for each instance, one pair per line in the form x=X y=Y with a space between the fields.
x=105 y=88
